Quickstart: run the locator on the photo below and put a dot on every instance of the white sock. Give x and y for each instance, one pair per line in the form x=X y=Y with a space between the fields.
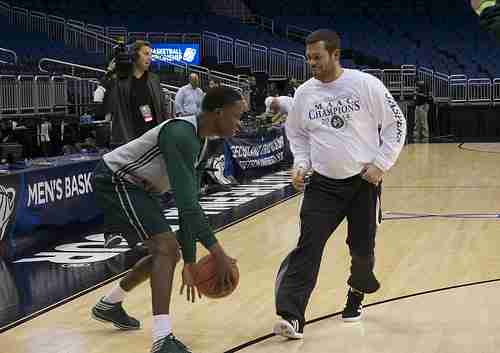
x=162 y=327
x=116 y=295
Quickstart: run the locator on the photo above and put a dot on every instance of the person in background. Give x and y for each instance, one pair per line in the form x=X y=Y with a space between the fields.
x=189 y=97
x=135 y=103
x=421 y=128
x=278 y=105
x=212 y=84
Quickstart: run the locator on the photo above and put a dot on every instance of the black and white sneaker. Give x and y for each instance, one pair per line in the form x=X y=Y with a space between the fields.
x=289 y=328
x=112 y=240
x=353 y=307
x=169 y=344
x=115 y=314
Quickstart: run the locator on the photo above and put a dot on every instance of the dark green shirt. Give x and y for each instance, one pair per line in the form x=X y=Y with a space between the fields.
x=168 y=158
x=182 y=150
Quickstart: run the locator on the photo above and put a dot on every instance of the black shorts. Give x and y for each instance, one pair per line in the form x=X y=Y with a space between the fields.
x=128 y=207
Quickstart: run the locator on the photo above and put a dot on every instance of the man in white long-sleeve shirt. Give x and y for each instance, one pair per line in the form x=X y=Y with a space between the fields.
x=346 y=128
x=188 y=98
x=281 y=105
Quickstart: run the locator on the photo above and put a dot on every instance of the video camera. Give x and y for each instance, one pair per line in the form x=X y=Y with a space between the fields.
x=122 y=59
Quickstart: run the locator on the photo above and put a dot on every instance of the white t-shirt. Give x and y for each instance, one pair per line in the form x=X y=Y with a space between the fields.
x=99 y=98
x=285 y=104
x=99 y=94
x=188 y=100
x=333 y=127
x=44 y=131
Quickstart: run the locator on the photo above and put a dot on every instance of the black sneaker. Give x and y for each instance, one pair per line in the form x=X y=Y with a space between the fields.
x=364 y=281
x=112 y=240
x=169 y=344
x=353 y=307
x=289 y=328
x=115 y=314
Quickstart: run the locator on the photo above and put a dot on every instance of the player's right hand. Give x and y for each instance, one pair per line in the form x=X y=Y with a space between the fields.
x=225 y=275
x=189 y=283
x=298 y=178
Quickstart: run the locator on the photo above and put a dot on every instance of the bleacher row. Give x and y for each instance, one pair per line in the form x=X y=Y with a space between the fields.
x=72 y=95
x=39 y=95
x=52 y=36
x=444 y=36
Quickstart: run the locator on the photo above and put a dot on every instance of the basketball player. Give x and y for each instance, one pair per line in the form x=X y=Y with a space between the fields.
x=347 y=130
x=165 y=158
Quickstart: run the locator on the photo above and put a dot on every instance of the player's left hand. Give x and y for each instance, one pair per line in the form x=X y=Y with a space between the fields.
x=189 y=283
x=372 y=174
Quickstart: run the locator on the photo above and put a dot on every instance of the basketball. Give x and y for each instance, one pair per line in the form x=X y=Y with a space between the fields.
x=206 y=278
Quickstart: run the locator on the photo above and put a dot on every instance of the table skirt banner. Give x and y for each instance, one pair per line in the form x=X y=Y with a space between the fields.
x=45 y=199
x=257 y=152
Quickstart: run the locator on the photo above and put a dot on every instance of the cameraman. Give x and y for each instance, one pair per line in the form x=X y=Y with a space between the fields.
x=135 y=99
x=135 y=102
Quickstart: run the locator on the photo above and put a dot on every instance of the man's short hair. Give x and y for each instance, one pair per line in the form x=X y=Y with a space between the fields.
x=329 y=37
x=137 y=46
x=218 y=97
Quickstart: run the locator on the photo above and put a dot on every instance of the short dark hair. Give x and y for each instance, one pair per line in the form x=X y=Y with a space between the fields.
x=137 y=46
x=327 y=36
x=218 y=97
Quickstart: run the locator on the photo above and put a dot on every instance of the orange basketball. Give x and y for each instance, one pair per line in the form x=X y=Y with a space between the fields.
x=206 y=278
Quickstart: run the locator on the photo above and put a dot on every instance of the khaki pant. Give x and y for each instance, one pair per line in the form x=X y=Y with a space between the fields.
x=421 y=129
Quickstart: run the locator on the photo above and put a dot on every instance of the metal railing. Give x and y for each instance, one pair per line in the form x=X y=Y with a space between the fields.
x=170 y=92
x=49 y=65
x=264 y=23
x=77 y=35
x=226 y=51
x=401 y=81
x=479 y=90
x=29 y=94
x=259 y=54
x=273 y=61
x=178 y=73
x=9 y=53
x=297 y=67
x=79 y=87
x=458 y=88
x=242 y=51
x=278 y=63
x=496 y=90
x=93 y=38
x=441 y=87
x=297 y=33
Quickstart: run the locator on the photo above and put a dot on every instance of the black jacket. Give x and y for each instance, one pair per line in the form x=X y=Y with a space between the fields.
x=124 y=127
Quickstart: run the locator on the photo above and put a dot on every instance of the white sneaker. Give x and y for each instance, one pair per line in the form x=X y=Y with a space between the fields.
x=289 y=329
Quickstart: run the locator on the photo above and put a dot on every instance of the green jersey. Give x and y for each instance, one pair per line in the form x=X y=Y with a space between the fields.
x=167 y=158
